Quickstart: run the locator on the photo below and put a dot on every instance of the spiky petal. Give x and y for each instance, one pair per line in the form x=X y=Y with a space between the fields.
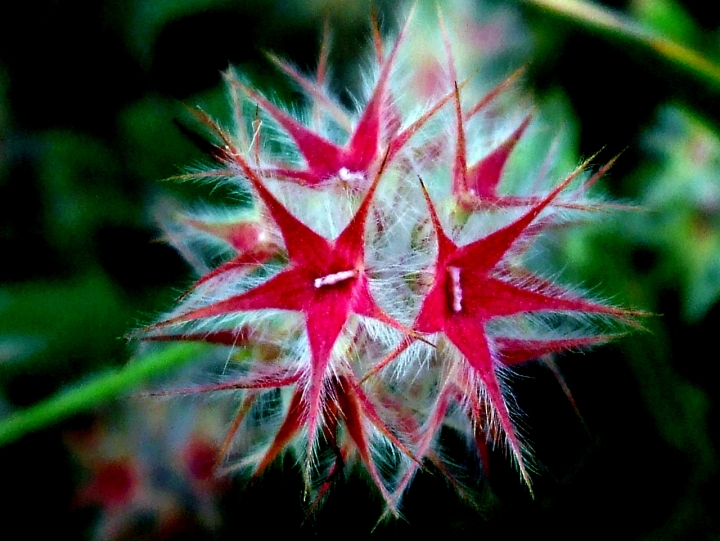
x=465 y=296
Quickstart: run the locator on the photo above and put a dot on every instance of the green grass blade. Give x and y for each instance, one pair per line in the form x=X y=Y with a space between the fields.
x=610 y=23
x=98 y=390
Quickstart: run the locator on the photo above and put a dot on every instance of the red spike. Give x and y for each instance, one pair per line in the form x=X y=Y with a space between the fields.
x=371 y=414
x=330 y=435
x=314 y=89
x=353 y=417
x=239 y=120
x=388 y=359
x=305 y=178
x=515 y=351
x=445 y=245
x=284 y=291
x=399 y=140
x=323 y=157
x=281 y=378
x=290 y=426
x=597 y=176
x=428 y=433
x=473 y=345
x=460 y=172
x=215 y=174
x=228 y=147
x=484 y=176
x=481 y=445
x=363 y=146
x=550 y=363
x=245 y=406
x=225 y=337
x=448 y=49
x=377 y=38
x=490 y=250
x=501 y=299
x=325 y=322
x=301 y=242
x=324 y=53
x=352 y=238
x=479 y=106
x=243 y=263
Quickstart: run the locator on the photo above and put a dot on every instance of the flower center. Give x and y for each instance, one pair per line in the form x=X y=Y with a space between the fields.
x=334 y=278
x=455 y=289
x=346 y=175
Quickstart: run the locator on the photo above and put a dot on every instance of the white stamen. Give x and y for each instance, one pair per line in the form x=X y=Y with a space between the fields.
x=334 y=278
x=346 y=175
x=455 y=289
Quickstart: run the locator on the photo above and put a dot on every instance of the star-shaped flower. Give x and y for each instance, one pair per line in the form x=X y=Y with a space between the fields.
x=326 y=281
x=295 y=307
x=468 y=291
x=378 y=127
x=466 y=295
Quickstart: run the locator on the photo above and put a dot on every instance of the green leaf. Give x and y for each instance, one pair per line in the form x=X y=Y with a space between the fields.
x=615 y=25
x=98 y=390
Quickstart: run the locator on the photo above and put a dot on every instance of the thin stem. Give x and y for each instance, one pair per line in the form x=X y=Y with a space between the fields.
x=100 y=389
x=613 y=24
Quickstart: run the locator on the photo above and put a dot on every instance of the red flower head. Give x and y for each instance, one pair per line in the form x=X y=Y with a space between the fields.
x=346 y=268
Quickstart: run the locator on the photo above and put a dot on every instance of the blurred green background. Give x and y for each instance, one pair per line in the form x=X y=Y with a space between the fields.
x=88 y=94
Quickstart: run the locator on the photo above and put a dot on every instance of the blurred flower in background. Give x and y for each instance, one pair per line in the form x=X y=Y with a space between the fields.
x=149 y=470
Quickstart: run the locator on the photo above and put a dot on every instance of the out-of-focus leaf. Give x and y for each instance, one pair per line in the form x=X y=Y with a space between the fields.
x=615 y=25
x=82 y=191
x=78 y=321
x=667 y=17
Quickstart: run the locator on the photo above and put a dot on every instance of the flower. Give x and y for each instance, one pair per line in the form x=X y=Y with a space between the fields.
x=379 y=279
x=139 y=472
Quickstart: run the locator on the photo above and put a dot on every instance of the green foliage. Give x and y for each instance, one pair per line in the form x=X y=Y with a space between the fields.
x=95 y=391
